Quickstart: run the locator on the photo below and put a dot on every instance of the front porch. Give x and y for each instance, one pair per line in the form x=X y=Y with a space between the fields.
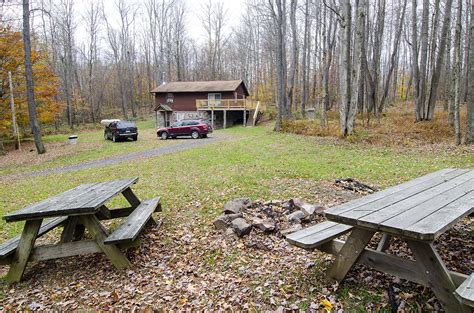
x=218 y=108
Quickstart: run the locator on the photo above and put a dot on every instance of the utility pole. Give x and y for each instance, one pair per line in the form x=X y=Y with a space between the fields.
x=16 y=133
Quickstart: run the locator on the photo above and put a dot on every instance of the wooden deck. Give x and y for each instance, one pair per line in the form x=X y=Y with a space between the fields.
x=229 y=104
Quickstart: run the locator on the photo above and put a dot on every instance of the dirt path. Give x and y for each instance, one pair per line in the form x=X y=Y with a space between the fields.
x=185 y=145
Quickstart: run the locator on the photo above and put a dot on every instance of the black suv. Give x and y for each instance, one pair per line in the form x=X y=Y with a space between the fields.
x=121 y=130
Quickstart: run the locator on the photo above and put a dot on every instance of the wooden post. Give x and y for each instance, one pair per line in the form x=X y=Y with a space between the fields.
x=438 y=276
x=350 y=252
x=384 y=243
x=68 y=232
x=22 y=254
x=245 y=117
x=212 y=118
x=96 y=229
x=225 y=118
x=131 y=197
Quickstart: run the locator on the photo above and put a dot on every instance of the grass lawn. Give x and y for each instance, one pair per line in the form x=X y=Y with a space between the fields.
x=91 y=146
x=194 y=185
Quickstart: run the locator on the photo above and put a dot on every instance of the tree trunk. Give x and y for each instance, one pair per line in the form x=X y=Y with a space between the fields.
x=294 y=57
x=423 y=60
x=457 y=74
x=304 y=70
x=357 y=67
x=470 y=99
x=30 y=92
x=393 y=56
x=415 y=67
x=345 y=66
x=439 y=62
x=279 y=17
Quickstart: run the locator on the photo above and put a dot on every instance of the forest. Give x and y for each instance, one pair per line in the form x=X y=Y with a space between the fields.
x=356 y=58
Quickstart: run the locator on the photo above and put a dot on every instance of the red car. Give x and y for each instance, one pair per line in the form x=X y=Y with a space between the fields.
x=194 y=128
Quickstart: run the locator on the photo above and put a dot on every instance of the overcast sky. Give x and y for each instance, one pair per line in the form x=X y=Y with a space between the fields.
x=194 y=8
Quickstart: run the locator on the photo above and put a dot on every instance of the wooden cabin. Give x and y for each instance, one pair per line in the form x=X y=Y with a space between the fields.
x=222 y=103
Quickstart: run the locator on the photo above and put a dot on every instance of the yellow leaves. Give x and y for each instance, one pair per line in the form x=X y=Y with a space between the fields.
x=46 y=83
x=327 y=304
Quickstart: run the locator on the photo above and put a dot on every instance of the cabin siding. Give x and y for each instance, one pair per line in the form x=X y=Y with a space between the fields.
x=186 y=101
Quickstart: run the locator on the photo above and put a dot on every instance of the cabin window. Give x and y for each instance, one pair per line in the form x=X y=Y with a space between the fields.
x=169 y=98
x=214 y=98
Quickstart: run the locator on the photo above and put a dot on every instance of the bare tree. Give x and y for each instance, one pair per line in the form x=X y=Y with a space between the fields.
x=470 y=102
x=393 y=56
x=92 y=20
x=345 y=67
x=457 y=74
x=65 y=30
x=30 y=86
x=305 y=58
x=278 y=13
x=431 y=103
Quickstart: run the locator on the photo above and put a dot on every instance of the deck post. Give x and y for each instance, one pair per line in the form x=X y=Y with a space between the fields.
x=212 y=118
x=225 y=118
x=245 y=117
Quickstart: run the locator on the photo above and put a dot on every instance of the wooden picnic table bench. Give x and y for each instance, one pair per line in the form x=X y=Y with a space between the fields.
x=417 y=212
x=77 y=209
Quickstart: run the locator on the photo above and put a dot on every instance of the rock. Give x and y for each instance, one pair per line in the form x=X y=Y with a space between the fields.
x=241 y=227
x=296 y=217
x=288 y=205
x=291 y=229
x=269 y=212
x=236 y=206
x=307 y=208
x=274 y=202
x=224 y=221
x=264 y=225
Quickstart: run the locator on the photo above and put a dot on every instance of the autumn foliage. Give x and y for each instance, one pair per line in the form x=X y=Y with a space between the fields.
x=46 y=84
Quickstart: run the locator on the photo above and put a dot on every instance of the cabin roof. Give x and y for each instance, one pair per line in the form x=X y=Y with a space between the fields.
x=200 y=86
x=163 y=108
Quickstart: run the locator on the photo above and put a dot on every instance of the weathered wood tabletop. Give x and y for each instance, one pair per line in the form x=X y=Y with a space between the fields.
x=83 y=199
x=422 y=208
x=417 y=212
x=77 y=209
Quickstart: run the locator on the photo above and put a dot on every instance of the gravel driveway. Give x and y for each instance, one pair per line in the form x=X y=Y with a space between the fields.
x=185 y=144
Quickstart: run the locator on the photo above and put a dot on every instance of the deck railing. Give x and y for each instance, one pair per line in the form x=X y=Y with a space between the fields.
x=228 y=104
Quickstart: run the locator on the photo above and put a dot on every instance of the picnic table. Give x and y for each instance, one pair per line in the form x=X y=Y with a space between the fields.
x=417 y=212
x=78 y=209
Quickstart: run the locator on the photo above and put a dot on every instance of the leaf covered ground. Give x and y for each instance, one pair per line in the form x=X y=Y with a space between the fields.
x=187 y=264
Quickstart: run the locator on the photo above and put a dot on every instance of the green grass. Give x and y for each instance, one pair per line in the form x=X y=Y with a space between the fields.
x=249 y=164
x=91 y=146
x=254 y=162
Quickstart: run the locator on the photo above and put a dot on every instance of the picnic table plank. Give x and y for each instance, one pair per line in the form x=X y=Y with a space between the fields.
x=442 y=205
x=109 y=190
x=399 y=200
x=84 y=199
x=465 y=292
x=69 y=194
x=383 y=195
x=316 y=235
x=431 y=226
x=418 y=212
x=9 y=246
x=392 y=190
x=133 y=225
